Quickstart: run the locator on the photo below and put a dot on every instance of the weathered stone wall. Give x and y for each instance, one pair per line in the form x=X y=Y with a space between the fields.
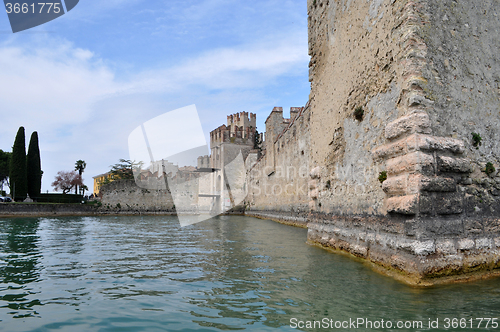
x=125 y=195
x=462 y=76
x=397 y=89
x=354 y=47
x=427 y=76
x=279 y=180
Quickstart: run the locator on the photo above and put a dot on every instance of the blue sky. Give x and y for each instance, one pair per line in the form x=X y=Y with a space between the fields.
x=85 y=80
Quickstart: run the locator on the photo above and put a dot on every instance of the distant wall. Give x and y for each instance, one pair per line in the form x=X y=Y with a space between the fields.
x=279 y=181
x=125 y=195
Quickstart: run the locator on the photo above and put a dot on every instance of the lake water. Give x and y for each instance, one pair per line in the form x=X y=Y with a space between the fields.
x=227 y=273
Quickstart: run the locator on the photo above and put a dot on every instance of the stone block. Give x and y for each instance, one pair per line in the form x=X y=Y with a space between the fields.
x=313 y=194
x=492 y=226
x=395 y=185
x=495 y=192
x=447 y=227
x=419 y=142
x=473 y=226
x=457 y=165
x=390 y=150
x=449 y=204
x=434 y=143
x=440 y=184
x=413 y=162
x=415 y=81
x=403 y=204
x=415 y=99
x=465 y=244
x=487 y=182
x=415 y=122
x=359 y=250
x=466 y=181
x=497 y=242
x=424 y=247
x=414 y=184
x=483 y=243
x=445 y=247
x=426 y=204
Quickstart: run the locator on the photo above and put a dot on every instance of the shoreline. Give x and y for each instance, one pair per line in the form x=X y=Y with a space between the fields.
x=9 y=210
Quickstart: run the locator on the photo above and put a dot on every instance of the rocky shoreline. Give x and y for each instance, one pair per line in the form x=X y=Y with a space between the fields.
x=45 y=210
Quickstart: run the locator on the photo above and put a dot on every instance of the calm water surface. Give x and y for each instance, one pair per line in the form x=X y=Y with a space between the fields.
x=227 y=273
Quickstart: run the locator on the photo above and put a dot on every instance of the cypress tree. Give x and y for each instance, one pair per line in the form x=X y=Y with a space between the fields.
x=33 y=167
x=18 y=179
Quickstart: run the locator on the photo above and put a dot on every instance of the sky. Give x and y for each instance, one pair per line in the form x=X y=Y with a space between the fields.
x=87 y=79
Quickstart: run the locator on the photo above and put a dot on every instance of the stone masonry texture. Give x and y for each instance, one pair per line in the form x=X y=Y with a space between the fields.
x=399 y=87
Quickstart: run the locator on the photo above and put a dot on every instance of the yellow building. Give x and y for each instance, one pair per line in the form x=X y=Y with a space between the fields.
x=99 y=179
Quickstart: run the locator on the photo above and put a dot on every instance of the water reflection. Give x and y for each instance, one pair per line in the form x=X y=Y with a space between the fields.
x=231 y=273
x=19 y=265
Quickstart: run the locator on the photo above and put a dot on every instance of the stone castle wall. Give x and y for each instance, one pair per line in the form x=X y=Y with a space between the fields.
x=278 y=182
x=125 y=195
x=426 y=76
x=354 y=47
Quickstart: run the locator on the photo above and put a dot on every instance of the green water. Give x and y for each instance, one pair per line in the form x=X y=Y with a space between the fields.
x=228 y=273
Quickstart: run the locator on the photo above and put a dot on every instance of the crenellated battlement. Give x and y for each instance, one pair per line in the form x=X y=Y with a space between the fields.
x=242 y=119
x=240 y=129
x=276 y=124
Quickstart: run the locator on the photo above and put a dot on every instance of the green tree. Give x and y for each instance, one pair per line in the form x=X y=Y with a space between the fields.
x=4 y=168
x=84 y=188
x=17 y=176
x=124 y=169
x=257 y=141
x=33 y=167
x=80 y=167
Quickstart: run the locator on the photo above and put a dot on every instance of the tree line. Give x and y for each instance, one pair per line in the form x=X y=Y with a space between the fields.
x=22 y=171
x=25 y=172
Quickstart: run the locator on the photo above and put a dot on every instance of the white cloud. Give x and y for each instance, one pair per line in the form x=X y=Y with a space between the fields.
x=81 y=110
x=245 y=66
x=51 y=85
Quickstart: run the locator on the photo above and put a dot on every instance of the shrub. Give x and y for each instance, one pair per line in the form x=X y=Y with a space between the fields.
x=382 y=176
x=489 y=168
x=476 y=140
x=358 y=113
